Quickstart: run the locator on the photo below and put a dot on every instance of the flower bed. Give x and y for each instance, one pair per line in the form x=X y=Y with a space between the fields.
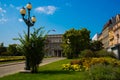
x=86 y=63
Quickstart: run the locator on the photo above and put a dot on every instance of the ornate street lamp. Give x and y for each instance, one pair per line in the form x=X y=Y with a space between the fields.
x=29 y=22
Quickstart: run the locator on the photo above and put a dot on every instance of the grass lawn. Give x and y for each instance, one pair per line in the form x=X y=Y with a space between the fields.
x=52 y=71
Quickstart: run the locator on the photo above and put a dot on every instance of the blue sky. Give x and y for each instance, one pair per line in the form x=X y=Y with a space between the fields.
x=60 y=15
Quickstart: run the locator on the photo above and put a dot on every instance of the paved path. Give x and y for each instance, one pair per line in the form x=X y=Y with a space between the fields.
x=11 y=68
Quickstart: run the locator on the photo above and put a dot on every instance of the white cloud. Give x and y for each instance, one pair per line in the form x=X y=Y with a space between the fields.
x=46 y=10
x=2 y=10
x=12 y=6
x=2 y=20
x=17 y=8
x=20 y=20
x=2 y=13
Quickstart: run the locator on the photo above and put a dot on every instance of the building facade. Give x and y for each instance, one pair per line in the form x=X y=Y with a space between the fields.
x=111 y=32
x=110 y=35
x=104 y=36
x=116 y=31
x=53 y=45
x=95 y=37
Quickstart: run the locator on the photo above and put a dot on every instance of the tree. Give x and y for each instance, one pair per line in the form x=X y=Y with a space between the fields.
x=2 y=48
x=34 y=48
x=12 y=49
x=1 y=44
x=96 y=45
x=75 y=41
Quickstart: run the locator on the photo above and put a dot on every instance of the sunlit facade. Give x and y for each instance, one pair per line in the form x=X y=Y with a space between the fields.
x=110 y=35
x=104 y=36
x=53 y=45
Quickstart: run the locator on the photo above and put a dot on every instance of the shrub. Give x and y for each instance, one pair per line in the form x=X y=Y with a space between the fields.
x=69 y=67
x=104 y=53
x=75 y=62
x=66 y=66
x=76 y=67
x=12 y=49
x=3 y=49
x=87 y=53
x=11 y=58
x=104 y=72
x=86 y=63
x=33 y=49
x=69 y=55
x=6 y=54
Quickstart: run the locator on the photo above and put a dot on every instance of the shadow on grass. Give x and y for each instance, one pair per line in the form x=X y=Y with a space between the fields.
x=55 y=72
x=52 y=72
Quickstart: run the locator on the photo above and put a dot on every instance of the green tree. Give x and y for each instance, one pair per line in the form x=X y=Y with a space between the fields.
x=34 y=48
x=96 y=45
x=2 y=48
x=1 y=44
x=75 y=41
x=12 y=49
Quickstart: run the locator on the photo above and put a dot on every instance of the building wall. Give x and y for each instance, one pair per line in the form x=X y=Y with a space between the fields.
x=53 y=45
x=105 y=37
x=116 y=30
x=95 y=37
x=111 y=37
x=111 y=32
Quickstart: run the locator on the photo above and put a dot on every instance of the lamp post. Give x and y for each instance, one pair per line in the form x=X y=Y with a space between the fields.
x=29 y=22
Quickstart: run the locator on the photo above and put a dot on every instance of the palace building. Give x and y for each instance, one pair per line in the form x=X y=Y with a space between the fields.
x=53 y=45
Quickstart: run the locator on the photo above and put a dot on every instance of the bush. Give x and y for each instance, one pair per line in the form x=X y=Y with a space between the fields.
x=33 y=49
x=87 y=53
x=104 y=53
x=6 y=54
x=69 y=55
x=75 y=62
x=2 y=49
x=104 y=72
x=69 y=67
x=86 y=63
x=11 y=58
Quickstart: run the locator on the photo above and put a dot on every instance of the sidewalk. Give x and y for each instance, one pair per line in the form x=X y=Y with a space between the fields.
x=44 y=62
x=11 y=63
x=50 y=60
x=15 y=67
